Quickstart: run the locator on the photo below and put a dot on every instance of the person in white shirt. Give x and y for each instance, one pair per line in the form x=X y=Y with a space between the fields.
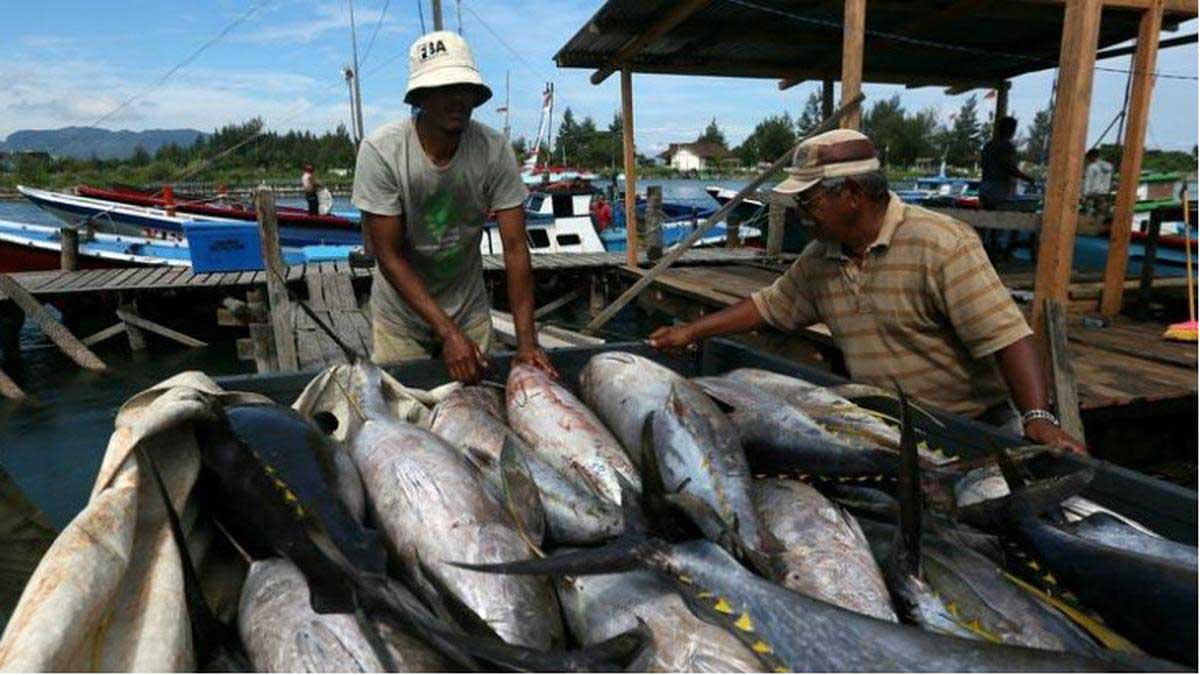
x=309 y=182
x=1097 y=184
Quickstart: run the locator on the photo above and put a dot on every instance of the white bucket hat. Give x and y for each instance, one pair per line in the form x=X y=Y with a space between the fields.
x=442 y=59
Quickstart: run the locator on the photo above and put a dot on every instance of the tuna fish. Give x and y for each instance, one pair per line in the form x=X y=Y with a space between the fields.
x=565 y=433
x=700 y=455
x=599 y=607
x=283 y=634
x=573 y=514
x=780 y=437
x=788 y=630
x=825 y=554
x=831 y=410
x=622 y=389
x=433 y=507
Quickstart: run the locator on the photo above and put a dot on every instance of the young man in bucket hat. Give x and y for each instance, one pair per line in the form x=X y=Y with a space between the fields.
x=424 y=185
x=908 y=294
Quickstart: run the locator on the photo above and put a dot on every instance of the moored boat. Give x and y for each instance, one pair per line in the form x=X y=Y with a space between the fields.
x=206 y=207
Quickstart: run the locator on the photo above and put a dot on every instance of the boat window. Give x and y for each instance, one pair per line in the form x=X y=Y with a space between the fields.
x=563 y=206
x=569 y=239
x=537 y=239
x=534 y=203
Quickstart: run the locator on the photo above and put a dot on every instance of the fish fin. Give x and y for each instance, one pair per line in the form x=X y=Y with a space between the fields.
x=631 y=509
x=706 y=609
x=906 y=550
x=625 y=553
x=616 y=653
x=211 y=639
x=1025 y=504
x=371 y=632
x=725 y=535
x=518 y=487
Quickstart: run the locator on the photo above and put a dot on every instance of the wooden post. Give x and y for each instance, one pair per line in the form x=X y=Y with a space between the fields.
x=281 y=306
x=684 y=246
x=9 y=388
x=827 y=96
x=853 y=30
x=631 y=242
x=1081 y=29
x=776 y=219
x=128 y=305
x=69 y=257
x=654 y=233
x=733 y=231
x=1131 y=160
x=1066 y=395
x=1149 y=260
x=1001 y=104
x=71 y=346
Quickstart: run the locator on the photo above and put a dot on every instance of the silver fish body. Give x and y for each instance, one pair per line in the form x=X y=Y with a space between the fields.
x=825 y=553
x=603 y=606
x=700 y=454
x=433 y=507
x=622 y=389
x=573 y=514
x=283 y=634
x=565 y=433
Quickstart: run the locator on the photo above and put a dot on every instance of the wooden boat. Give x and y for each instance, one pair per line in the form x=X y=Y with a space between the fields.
x=232 y=210
x=152 y=222
x=25 y=247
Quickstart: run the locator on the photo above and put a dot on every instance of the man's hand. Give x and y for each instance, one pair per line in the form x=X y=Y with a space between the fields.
x=1043 y=432
x=673 y=338
x=536 y=357
x=463 y=357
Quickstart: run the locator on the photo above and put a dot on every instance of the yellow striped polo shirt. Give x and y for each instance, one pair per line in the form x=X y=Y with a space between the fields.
x=926 y=308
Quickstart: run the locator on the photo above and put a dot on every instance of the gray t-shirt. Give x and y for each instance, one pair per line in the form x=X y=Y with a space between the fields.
x=444 y=210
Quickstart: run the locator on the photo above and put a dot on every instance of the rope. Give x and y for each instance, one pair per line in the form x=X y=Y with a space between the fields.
x=514 y=52
x=826 y=23
x=421 y=13
x=374 y=33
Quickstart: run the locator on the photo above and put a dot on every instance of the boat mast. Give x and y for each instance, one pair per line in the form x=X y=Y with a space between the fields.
x=353 y=80
x=437 y=14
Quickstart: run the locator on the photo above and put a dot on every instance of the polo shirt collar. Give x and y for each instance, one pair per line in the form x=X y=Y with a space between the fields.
x=892 y=217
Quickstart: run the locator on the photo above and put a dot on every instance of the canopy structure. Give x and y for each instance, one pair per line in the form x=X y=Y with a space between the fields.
x=912 y=42
x=959 y=44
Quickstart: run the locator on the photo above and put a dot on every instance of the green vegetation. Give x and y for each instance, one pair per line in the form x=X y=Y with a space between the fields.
x=235 y=153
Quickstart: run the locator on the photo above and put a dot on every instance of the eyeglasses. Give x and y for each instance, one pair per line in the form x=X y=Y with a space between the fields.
x=810 y=199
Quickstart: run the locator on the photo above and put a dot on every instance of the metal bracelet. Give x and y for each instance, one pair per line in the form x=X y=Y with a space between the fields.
x=1037 y=414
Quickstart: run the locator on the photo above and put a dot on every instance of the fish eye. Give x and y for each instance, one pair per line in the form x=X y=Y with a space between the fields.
x=326 y=421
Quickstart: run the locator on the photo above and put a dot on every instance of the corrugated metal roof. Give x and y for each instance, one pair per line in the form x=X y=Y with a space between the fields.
x=908 y=41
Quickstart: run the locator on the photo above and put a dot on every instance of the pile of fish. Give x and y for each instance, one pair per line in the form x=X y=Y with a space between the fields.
x=650 y=522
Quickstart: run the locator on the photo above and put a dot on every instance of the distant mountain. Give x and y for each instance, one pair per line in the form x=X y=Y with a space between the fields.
x=83 y=142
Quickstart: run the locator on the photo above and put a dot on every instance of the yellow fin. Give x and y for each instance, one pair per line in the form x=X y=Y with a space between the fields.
x=723 y=606
x=743 y=622
x=761 y=647
x=1095 y=628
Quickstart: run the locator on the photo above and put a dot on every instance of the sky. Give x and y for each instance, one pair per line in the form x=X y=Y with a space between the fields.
x=143 y=64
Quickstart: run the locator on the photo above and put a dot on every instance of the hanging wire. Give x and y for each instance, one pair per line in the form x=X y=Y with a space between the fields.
x=826 y=23
x=374 y=33
x=532 y=69
x=182 y=64
x=421 y=13
x=458 y=5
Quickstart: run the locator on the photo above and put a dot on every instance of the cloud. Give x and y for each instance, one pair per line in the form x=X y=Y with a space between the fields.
x=315 y=21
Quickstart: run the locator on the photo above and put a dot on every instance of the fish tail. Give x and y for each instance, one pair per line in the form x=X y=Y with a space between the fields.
x=1025 y=504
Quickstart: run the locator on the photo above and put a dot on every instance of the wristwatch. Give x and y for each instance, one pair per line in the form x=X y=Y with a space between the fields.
x=1037 y=414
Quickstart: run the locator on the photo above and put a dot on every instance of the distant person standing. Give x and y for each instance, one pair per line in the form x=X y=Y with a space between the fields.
x=309 y=182
x=602 y=213
x=1097 y=184
x=999 y=164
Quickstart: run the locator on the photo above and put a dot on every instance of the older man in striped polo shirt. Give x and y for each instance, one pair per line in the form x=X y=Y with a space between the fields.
x=906 y=293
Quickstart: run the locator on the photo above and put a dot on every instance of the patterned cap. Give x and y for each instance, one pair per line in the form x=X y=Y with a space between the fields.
x=841 y=152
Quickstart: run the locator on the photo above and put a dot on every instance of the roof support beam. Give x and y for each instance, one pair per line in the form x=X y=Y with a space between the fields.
x=1169 y=6
x=1081 y=31
x=677 y=15
x=631 y=234
x=1131 y=160
x=853 y=32
x=1162 y=44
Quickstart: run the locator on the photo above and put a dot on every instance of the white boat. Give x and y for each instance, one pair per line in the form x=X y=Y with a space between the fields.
x=555 y=222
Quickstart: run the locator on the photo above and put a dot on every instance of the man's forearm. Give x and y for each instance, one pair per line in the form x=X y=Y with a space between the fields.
x=1022 y=370
x=519 y=272
x=737 y=318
